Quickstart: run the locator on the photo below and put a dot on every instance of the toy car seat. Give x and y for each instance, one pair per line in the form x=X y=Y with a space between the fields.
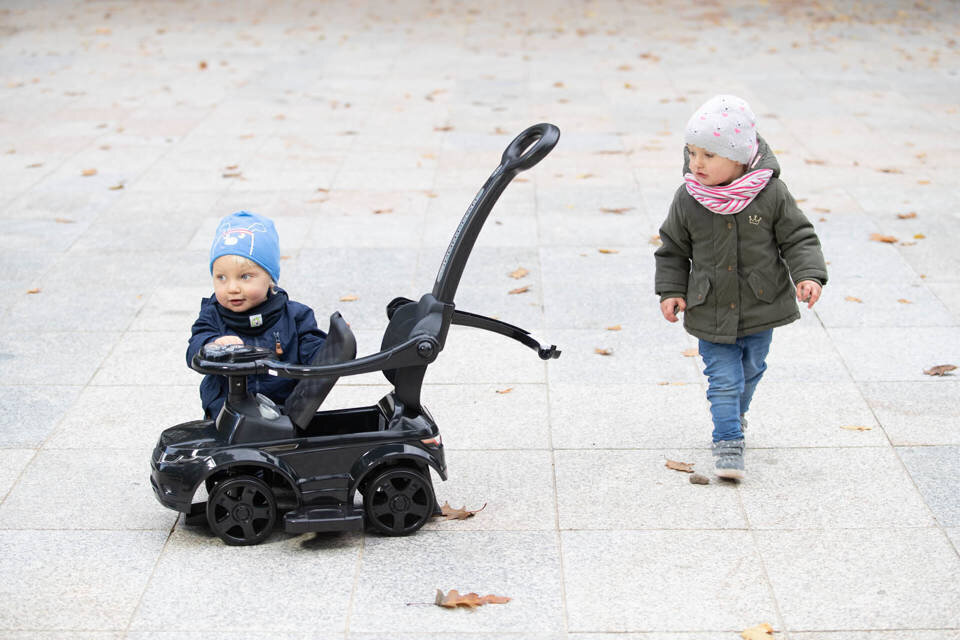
x=309 y=394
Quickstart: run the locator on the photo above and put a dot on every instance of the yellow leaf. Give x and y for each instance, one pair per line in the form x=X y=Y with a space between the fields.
x=603 y=352
x=349 y=298
x=608 y=250
x=853 y=299
x=918 y=236
x=116 y=187
x=760 y=632
x=907 y=216
x=615 y=327
x=64 y=220
x=691 y=353
x=518 y=290
x=904 y=301
x=584 y=176
x=855 y=427
x=86 y=173
x=32 y=291
x=879 y=237
x=519 y=273
x=656 y=241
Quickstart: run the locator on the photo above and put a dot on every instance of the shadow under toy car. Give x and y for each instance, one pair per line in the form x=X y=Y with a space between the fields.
x=300 y=468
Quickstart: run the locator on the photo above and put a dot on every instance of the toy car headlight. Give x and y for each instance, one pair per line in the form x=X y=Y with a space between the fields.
x=168 y=458
x=434 y=443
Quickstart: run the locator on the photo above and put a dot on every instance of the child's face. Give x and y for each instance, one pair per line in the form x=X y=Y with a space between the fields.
x=712 y=170
x=239 y=285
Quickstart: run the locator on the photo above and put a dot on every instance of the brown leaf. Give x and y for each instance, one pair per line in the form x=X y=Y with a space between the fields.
x=686 y=467
x=940 y=370
x=381 y=211
x=855 y=427
x=619 y=212
x=813 y=161
x=879 y=237
x=624 y=67
x=760 y=632
x=454 y=599
x=518 y=290
x=889 y=170
x=615 y=327
x=443 y=128
x=691 y=353
x=232 y=167
x=116 y=187
x=853 y=299
x=349 y=298
x=233 y=174
x=608 y=250
x=35 y=165
x=202 y=64
x=907 y=216
x=86 y=173
x=503 y=391
x=459 y=514
x=32 y=291
x=519 y=273
x=603 y=352
x=64 y=221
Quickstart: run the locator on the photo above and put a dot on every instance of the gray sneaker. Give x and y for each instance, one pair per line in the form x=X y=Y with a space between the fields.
x=728 y=459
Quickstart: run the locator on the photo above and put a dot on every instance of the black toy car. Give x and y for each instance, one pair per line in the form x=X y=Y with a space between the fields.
x=301 y=468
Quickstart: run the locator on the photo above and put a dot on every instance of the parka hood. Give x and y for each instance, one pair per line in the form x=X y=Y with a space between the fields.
x=766 y=159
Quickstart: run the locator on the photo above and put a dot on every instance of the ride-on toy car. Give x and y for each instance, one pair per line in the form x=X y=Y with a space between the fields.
x=300 y=468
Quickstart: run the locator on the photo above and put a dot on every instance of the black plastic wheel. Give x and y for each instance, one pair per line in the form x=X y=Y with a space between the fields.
x=242 y=510
x=398 y=501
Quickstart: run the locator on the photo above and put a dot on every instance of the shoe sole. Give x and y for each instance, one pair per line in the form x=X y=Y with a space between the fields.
x=730 y=474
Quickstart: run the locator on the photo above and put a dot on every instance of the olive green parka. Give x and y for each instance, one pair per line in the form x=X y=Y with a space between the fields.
x=737 y=272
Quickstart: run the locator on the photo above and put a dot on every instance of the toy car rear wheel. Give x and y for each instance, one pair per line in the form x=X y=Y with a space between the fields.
x=242 y=510
x=398 y=501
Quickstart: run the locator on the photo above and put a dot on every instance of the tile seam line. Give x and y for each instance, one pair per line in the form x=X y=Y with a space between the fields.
x=153 y=570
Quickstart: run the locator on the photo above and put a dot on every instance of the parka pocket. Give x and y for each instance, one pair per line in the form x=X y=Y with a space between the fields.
x=697 y=288
x=762 y=287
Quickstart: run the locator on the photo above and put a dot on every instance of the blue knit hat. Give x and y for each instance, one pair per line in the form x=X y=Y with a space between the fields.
x=251 y=236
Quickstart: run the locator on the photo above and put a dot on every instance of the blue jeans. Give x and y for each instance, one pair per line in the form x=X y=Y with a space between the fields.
x=733 y=371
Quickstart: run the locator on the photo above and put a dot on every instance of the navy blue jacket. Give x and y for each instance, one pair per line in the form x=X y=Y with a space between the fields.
x=296 y=330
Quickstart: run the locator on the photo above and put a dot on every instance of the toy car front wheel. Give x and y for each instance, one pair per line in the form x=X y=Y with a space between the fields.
x=398 y=501
x=242 y=510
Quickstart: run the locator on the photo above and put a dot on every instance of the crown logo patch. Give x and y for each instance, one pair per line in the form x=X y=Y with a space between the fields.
x=755 y=219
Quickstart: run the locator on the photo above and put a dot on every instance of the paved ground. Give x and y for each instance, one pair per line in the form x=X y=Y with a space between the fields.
x=321 y=114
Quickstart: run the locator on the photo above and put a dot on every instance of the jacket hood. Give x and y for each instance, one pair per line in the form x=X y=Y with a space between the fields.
x=766 y=159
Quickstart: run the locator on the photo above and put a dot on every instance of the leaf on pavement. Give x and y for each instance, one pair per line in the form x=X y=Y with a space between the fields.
x=619 y=211
x=519 y=273
x=855 y=427
x=518 y=290
x=32 y=291
x=686 y=467
x=904 y=301
x=853 y=299
x=459 y=514
x=656 y=241
x=503 y=391
x=691 y=353
x=760 y=632
x=907 y=216
x=454 y=599
x=379 y=211
x=350 y=298
x=603 y=352
x=879 y=237
x=614 y=327
x=940 y=370
x=608 y=250
x=64 y=221
x=86 y=173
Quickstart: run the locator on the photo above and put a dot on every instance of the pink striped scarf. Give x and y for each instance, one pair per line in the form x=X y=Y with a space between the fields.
x=731 y=198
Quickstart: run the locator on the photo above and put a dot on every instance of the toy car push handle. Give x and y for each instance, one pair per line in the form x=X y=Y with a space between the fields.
x=526 y=150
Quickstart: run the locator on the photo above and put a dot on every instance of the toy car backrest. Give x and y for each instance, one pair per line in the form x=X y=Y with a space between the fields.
x=309 y=394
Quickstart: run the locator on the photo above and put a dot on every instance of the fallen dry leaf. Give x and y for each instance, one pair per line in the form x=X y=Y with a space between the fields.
x=380 y=211
x=919 y=236
x=585 y=176
x=35 y=165
x=459 y=514
x=519 y=290
x=32 y=291
x=64 y=221
x=116 y=187
x=233 y=174
x=907 y=216
x=814 y=161
x=614 y=327
x=86 y=173
x=608 y=250
x=940 y=370
x=444 y=128
x=350 y=298
x=507 y=390
x=760 y=632
x=686 y=467
x=519 y=273
x=879 y=237
x=691 y=353
x=904 y=301
x=471 y=600
x=620 y=211
x=853 y=299
x=889 y=170
x=603 y=352
x=855 y=427
x=202 y=65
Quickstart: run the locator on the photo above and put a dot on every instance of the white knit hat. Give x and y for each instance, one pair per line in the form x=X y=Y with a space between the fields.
x=724 y=125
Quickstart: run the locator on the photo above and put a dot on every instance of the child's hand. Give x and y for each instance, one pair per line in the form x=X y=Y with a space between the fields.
x=808 y=291
x=671 y=307
x=225 y=340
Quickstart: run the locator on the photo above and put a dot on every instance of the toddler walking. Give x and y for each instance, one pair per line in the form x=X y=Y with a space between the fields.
x=247 y=307
x=736 y=252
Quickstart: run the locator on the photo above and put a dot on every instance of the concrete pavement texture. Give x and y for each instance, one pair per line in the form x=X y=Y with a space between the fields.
x=127 y=129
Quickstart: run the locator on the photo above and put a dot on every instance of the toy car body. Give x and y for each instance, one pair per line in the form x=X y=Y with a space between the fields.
x=301 y=468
